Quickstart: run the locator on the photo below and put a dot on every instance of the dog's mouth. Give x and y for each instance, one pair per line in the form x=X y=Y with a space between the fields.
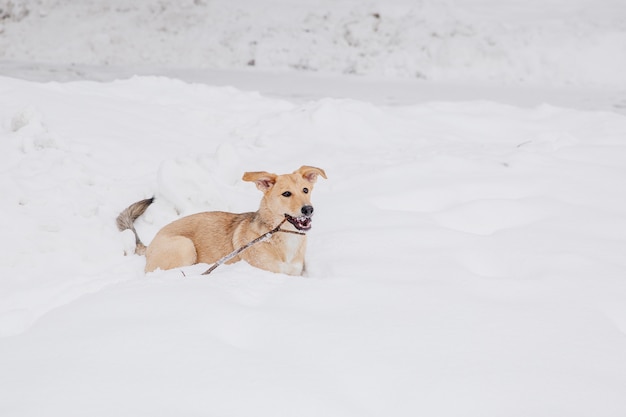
x=301 y=223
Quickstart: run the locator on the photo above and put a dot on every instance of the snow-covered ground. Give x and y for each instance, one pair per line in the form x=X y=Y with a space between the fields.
x=468 y=250
x=551 y=41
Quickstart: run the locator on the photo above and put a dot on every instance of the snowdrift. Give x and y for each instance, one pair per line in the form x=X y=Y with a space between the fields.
x=466 y=258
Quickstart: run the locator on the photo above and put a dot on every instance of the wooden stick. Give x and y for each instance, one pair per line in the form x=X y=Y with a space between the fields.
x=261 y=238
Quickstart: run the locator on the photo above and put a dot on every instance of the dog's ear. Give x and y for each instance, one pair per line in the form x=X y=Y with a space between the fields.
x=263 y=180
x=310 y=173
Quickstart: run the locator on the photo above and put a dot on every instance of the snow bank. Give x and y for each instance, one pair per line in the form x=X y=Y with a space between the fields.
x=558 y=42
x=466 y=258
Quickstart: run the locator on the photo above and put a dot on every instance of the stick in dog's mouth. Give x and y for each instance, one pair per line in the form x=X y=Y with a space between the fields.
x=302 y=223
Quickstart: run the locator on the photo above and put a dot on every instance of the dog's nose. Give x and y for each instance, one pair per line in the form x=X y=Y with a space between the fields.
x=307 y=210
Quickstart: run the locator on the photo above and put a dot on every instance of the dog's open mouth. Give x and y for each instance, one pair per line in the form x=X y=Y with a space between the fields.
x=300 y=223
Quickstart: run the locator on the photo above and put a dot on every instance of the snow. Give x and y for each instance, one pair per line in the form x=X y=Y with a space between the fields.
x=467 y=249
x=553 y=41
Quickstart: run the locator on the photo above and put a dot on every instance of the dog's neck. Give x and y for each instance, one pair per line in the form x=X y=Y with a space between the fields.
x=265 y=218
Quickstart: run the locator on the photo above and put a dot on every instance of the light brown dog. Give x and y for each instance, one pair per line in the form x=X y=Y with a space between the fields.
x=207 y=237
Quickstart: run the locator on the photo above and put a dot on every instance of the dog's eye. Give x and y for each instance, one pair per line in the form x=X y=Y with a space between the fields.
x=305 y=190
x=287 y=194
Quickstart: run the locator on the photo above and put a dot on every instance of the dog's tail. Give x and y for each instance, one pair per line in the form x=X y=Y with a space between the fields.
x=126 y=220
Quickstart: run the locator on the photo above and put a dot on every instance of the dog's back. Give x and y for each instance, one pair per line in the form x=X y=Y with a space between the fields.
x=199 y=238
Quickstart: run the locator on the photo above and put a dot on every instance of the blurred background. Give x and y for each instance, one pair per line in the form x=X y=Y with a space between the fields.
x=529 y=42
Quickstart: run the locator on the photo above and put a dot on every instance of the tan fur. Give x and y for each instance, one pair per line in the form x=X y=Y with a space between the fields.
x=207 y=237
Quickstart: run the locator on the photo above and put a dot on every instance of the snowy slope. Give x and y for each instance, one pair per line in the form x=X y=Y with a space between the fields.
x=466 y=258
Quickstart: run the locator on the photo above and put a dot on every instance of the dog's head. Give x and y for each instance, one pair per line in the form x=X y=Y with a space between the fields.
x=287 y=195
